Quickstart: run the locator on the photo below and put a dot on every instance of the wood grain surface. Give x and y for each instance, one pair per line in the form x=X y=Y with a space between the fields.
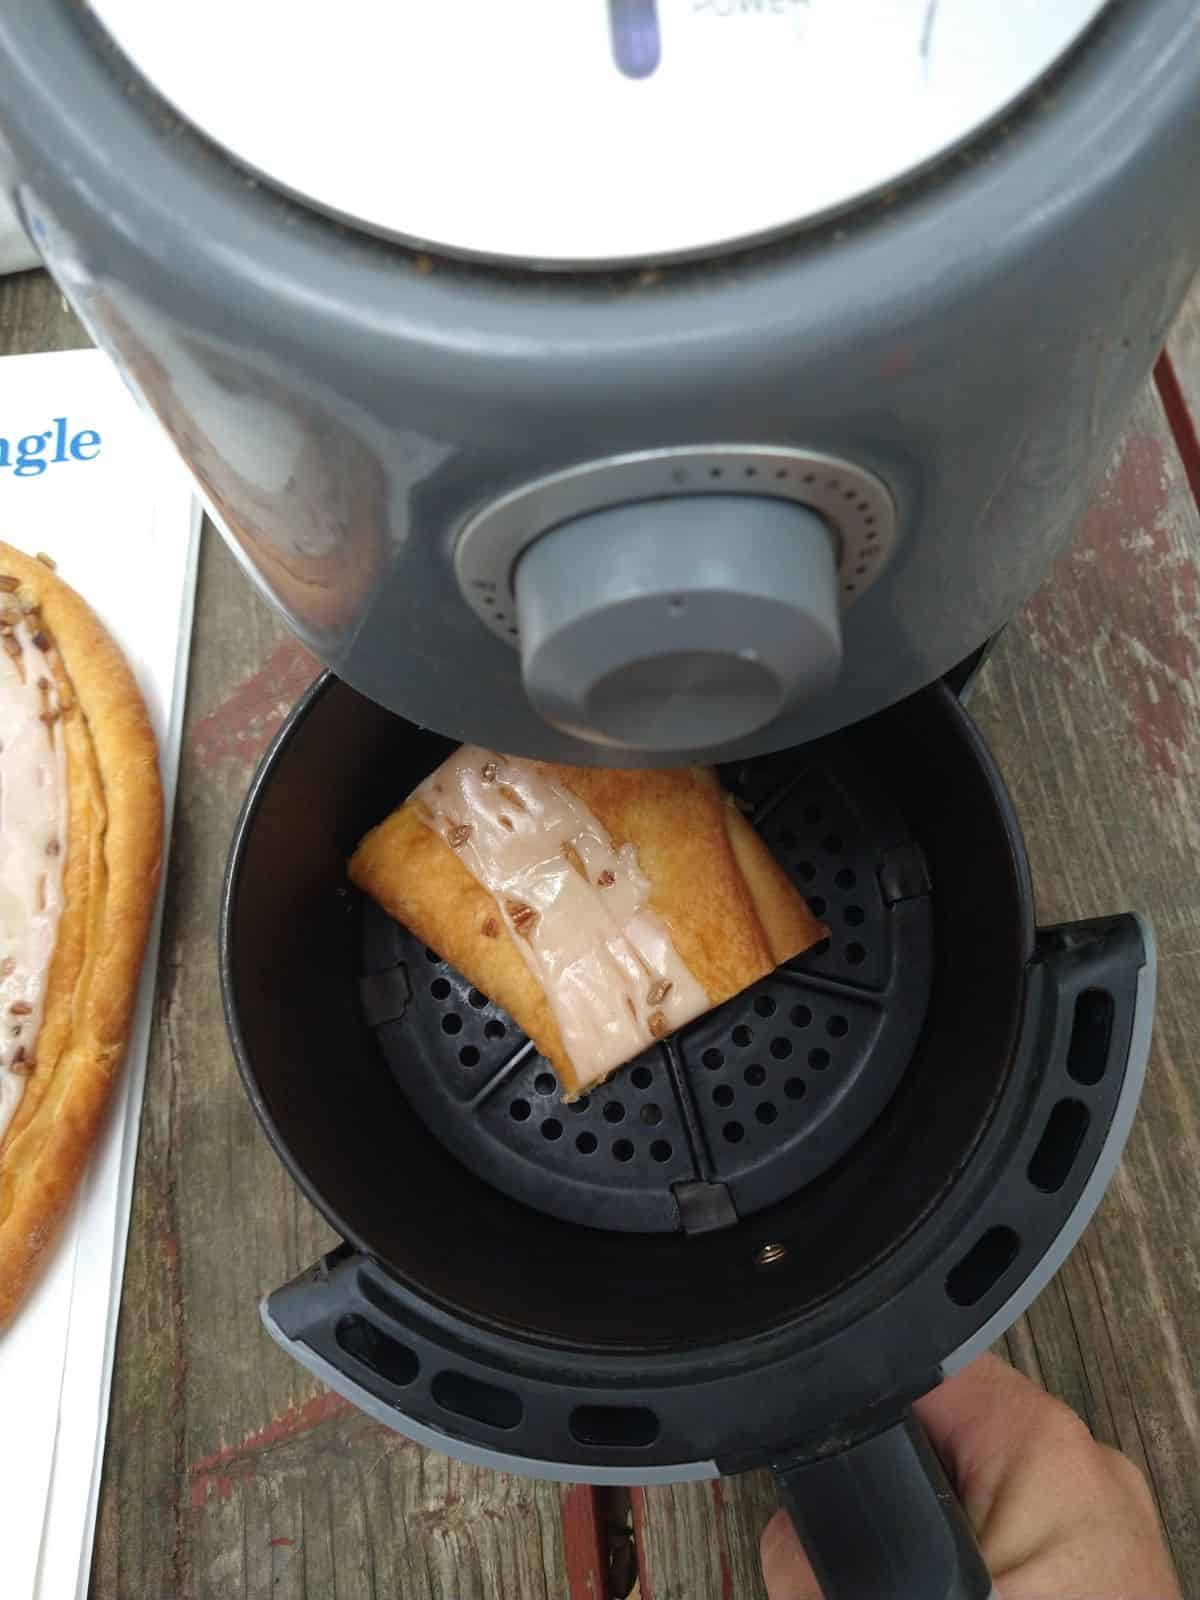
x=230 y=1473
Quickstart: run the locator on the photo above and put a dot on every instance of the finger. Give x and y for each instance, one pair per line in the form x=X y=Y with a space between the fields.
x=787 y=1572
x=987 y=1420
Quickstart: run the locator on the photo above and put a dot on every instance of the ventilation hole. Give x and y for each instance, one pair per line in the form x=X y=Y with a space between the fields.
x=623 y=1150
x=845 y=878
x=469 y=1056
x=1091 y=1035
x=856 y=954
x=752 y=472
x=493 y=1029
x=837 y=1027
x=586 y=1144
x=755 y=1076
x=984 y=1264
x=821 y=949
x=713 y=1060
x=617 y=1427
x=613 y=1111
x=869 y=521
x=848 y=588
x=552 y=1128
x=871 y=537
x=781 y=1048
x=781 y=473
x=787 y=839
x=812 y=815
x=810 y=477
x=714 y=472
x=440 y=989
x=854 y=915
x=818 y=1059
x=795 y=1088
x=499 y=616
x=477 y=1000
x=833 y=483
x=864 y=505
x=766 y=1113
x=488 y=600
x=723 y=1096
x=816 y=904
x=580 y=1105
x=432 y=957
x=801 y=1016
x=387 y=1356
x=860 y=572
x=849 y=494
x=832 y=842
x=742 y=1035
x=660 y=1150
x=545 y=1083
x=452 y=1022
x=764 y=1005
x=651 y=1114
x=805 y=871
x=734 y=1132
x=641 y=1077
x=480 y=1402
x=520 y=1110
x=1060 y=1143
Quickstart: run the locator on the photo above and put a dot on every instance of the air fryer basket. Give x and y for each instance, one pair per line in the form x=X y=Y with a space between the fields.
x=765 y=1320
x=735 y=1112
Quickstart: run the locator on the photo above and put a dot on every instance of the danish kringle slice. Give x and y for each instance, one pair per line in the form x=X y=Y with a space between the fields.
x=80 y=843
x=602 y=909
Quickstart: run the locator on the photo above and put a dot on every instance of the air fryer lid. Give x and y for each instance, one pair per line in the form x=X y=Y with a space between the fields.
x=920 y=1178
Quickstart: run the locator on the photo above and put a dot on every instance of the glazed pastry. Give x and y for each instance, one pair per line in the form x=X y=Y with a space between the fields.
x=80 y=841
x=601 y=909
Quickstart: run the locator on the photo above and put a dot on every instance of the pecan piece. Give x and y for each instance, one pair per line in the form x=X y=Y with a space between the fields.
x=606 y=879
x=657 y=1025
x=458 y=835
x=524 y=918
x=659 y=992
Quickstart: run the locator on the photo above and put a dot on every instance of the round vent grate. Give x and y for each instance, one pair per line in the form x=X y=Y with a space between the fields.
x=746 y=1104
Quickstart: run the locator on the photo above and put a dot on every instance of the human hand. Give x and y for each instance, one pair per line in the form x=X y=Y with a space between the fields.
x=1058 y=1516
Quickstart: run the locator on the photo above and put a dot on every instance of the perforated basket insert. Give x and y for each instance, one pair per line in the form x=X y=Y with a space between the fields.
x=737 y=1110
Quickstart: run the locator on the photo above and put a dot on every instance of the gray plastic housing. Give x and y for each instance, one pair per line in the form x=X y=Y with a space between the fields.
x=975 y=339
x=682 y=623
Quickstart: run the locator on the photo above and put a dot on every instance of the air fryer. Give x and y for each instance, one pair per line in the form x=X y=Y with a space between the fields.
x=760 y=1242
x=710 y=385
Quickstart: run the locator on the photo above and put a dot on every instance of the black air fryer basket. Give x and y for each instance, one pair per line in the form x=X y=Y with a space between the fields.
x=765 y=1238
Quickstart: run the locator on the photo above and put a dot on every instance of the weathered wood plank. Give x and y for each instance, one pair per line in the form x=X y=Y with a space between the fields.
x=1091 y=706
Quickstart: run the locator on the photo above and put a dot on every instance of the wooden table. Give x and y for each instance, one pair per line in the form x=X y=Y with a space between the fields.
x=229 y=1472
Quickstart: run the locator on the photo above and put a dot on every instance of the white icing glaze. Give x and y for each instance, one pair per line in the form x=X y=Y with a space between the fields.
x=33 y=841
x=595 y=946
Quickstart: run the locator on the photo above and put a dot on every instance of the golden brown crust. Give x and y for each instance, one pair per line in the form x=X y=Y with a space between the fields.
x=731 y=911
x=110 y=877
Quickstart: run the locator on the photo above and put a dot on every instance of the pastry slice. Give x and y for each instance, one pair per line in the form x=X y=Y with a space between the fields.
x=80 y=840
x=602 y=909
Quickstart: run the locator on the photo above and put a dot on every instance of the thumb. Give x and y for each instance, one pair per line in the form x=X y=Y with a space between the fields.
x=787 y=1571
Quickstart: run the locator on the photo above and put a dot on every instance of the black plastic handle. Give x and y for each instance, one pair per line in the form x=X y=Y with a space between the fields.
x=880 y=1521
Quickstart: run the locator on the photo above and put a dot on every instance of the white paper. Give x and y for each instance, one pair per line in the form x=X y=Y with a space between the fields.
x=114 y=507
